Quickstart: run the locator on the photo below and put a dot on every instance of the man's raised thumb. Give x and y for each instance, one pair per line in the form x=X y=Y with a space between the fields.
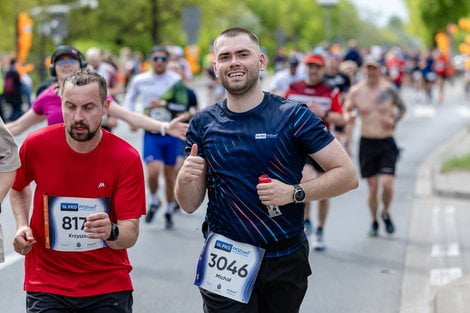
x=194 y=150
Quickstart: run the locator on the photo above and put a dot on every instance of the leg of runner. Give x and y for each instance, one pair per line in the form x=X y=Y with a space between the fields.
x=323 y=206
x=172 y=150
x=373 y=201
x=307 y=222
x=441 y=84
x=307 y=174
x=281 y=286
x=387 y=195
x=169 y=174
x=153 y=173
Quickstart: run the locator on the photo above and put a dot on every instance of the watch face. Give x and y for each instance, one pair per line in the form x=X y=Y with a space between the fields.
x=299 y=195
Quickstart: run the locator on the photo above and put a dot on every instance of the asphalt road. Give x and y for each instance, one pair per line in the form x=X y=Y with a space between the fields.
x=356 y=274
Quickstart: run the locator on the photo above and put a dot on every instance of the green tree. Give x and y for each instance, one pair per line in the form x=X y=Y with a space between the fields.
x=427 y=17
x=119 y=23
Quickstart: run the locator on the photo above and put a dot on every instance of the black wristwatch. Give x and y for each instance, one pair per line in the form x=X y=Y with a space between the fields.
x=113 y=236
x=299 y=194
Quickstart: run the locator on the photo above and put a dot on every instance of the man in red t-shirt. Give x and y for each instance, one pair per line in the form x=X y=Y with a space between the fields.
x=395 y=68
x=88 y=199
x=322 y=99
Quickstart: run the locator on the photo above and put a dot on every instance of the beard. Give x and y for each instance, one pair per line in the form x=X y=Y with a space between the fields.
x=240 y=88
x=87 y=136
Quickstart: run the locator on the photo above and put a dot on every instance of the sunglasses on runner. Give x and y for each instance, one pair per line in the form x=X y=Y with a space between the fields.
x=66 y=62
x=160 y=58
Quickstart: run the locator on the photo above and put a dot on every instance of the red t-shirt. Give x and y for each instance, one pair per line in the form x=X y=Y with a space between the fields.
x=396 y=69
x=113 y=169
x=440 y=66
x=322 y=94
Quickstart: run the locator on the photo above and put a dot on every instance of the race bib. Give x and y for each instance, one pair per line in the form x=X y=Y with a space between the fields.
x=64 y=222
x=323 y=102
x=159 y=114
x=228 y=268
x=394 y=73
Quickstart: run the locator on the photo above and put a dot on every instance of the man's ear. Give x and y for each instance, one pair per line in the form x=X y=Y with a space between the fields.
x=106 y=105
x=214 y=67
x=263 y=62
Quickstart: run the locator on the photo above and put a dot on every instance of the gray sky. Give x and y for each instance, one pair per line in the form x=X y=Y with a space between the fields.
x=379 y=11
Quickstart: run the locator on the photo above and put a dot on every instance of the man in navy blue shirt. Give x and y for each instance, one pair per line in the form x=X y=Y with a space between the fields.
x=256 y=253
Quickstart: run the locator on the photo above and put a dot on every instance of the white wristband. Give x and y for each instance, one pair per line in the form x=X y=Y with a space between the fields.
x=163 y=128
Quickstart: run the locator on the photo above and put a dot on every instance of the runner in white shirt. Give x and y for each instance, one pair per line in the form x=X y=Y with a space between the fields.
x=153 y=89
x=282 y=79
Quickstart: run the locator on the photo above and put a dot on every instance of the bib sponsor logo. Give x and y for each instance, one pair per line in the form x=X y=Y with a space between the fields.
x=265 y=136
x=241 y=251
x=223 y=246
x=71 y=207
x=74 y=207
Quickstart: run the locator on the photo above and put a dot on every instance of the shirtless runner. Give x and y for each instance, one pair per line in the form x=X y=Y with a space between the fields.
x=380 y=108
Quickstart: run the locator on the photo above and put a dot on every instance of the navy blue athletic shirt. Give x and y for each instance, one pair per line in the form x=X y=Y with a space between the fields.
x=274 y=138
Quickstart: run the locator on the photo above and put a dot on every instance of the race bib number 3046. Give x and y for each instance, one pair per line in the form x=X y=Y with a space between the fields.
x=228 y=268
x=64 y=222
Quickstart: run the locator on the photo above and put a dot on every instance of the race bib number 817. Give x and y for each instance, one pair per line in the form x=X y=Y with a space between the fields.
x=64 y=222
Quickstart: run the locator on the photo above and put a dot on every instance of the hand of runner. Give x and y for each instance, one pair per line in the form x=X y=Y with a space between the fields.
x=275 y=193
x=316 y=108
x=98 y=226
x=24 y=240
x=158 y=103
x=177 y=128
x=133 y=128
x=193 y=167
x=388 y=122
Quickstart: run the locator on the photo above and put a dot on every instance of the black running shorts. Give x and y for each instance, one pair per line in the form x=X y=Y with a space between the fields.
x=377 y=156
x=280 y=287
x=116 y=302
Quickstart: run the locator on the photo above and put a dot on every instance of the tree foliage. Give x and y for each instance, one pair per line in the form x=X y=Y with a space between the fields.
x=119 y=23
x=427 y=17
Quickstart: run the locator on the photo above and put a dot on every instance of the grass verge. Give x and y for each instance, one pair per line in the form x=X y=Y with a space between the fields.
x=461 y=163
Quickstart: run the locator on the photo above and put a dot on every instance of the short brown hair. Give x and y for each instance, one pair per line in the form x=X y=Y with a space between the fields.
x=85 y=76
x=236 y=31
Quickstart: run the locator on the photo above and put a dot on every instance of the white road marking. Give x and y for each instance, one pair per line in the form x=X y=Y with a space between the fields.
x=435 y=220
x=453 y=249
x=444 y=228
x=463 y=111
x=450 y=223
x=442 y=276
x=438 y=250
x=424 y=111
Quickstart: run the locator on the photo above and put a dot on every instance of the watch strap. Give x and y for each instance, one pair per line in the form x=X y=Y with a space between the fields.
x=299 y=188
x=114 y=234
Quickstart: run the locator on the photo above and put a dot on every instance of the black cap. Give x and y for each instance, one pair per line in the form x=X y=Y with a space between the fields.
x=292 y=60
x=159 y=49
x=66 y=50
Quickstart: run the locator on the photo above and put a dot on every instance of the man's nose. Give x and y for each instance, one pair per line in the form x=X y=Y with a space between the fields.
x=78 y=116
x=234 y=60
